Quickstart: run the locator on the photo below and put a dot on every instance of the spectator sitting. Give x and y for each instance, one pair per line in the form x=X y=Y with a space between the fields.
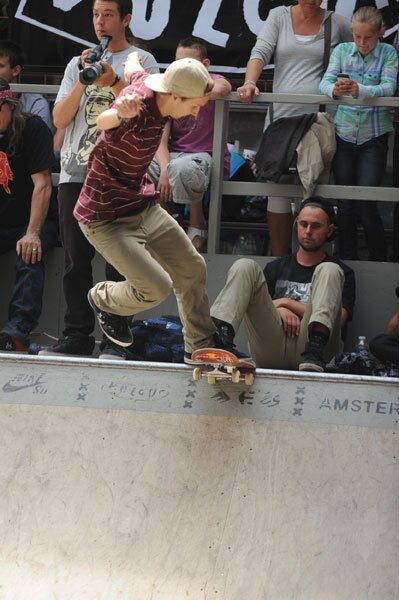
x=12 y=61
x=183 y=164
x=362 y=131
x=296 y=309
x=26 y=155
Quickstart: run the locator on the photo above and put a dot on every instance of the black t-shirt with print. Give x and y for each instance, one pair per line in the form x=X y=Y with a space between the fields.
x=286 y=278
x=34 y=154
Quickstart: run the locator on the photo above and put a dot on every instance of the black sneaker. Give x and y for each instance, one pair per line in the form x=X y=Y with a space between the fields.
x=115 y=327
x=71 y=345
x=225 y=334
x=312 y=356
x=225 y=342
x=111 y=351
x=10 y=343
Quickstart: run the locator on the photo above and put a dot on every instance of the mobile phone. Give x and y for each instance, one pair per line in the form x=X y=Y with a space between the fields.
x=342 y=76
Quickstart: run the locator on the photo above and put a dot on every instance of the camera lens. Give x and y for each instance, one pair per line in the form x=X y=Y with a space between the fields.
x=90 y=73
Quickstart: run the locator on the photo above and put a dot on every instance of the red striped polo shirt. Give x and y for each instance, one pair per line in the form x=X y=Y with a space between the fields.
x=117 y=182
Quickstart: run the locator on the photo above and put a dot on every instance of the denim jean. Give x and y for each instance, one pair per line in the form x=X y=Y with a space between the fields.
x=364 y=165
x=25 y=305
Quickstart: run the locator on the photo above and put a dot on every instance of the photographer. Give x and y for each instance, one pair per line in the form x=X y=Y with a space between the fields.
x=76 y=108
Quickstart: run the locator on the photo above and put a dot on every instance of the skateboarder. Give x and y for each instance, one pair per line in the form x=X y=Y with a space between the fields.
x=118 y=211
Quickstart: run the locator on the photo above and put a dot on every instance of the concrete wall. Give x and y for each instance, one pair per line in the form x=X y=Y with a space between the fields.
x=375 y=302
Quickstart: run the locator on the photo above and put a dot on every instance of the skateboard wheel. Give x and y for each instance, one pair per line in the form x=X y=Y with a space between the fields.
x=197 y=374
x=211 y=380
x=235 y=376
x=249 y=378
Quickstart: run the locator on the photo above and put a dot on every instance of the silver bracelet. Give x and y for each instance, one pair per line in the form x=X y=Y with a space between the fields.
x=249 y=81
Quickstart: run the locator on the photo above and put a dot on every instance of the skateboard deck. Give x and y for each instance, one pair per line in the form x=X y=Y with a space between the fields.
x=216 y=364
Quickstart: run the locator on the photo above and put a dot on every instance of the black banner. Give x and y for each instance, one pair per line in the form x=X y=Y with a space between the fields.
x=52 y=31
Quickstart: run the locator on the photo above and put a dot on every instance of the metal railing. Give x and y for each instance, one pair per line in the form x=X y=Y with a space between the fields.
x=219 y=186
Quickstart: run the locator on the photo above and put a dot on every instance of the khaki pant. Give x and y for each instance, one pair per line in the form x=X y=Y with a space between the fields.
x=246 y=297
x=154 y=255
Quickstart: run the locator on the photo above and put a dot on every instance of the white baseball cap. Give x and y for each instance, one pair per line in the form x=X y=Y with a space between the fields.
x=186 y=78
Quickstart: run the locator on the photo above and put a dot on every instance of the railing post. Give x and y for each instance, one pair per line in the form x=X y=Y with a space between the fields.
x=216 y=187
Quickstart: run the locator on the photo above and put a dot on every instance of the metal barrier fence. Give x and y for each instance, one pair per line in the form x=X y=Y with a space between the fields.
x=219 y=186
x=336 y=192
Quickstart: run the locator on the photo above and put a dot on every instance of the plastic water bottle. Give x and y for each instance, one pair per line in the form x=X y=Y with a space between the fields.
x=34 y=348
x=361 y=347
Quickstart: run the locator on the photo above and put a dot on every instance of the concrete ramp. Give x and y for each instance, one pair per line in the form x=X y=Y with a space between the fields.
x=133 y=482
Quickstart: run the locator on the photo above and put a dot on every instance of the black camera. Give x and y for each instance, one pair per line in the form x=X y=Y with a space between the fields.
x=93 y=68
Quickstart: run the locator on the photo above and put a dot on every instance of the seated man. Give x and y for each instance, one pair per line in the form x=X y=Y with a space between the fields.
x=12 y=60
x=183 y=162
x=385 y=346
x=26 y=156
x=296 y=309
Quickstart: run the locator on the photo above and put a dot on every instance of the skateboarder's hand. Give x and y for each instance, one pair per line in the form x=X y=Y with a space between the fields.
x=128 y=106
x=291 y=322
x=132 y=64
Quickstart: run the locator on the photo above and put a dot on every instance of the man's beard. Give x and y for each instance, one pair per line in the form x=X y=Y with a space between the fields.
x=311 y=248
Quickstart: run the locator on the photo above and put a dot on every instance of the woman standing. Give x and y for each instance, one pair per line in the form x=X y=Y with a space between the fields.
x=362 y=132
x=295 y=36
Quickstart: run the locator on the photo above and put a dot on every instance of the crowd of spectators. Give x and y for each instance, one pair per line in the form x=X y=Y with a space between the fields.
x=304 y=41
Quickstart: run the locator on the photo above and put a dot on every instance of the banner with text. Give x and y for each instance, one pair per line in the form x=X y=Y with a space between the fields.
x=229 y=27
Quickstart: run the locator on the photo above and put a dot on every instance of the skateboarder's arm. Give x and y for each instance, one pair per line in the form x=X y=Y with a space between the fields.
x=125 y=107
x=132 y=63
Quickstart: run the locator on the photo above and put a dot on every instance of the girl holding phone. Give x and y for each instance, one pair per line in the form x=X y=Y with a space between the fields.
x=364 y=68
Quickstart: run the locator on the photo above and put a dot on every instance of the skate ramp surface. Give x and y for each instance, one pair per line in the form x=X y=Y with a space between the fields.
x=138 y=483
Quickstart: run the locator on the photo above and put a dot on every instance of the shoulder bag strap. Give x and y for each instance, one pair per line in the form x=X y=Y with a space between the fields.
x=327 y=50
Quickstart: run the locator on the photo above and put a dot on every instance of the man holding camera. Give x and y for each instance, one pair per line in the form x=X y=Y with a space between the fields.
x=86 y=90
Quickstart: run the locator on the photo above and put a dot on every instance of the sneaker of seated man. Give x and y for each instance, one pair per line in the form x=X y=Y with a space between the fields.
x=296 y=310
x=183 y=163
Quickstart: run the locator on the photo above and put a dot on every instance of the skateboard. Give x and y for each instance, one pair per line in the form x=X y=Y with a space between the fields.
x=216 y=364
